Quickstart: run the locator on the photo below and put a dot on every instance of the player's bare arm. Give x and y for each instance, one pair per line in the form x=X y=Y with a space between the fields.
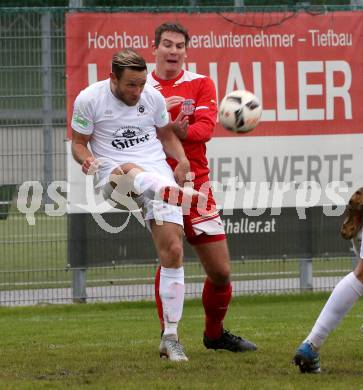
x=174 y=149
x=82 y=154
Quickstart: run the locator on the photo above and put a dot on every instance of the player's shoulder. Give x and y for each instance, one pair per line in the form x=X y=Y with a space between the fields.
x=151 y=93
x=150 y=78
x=190 y=76
x=94 y=90
x=149 y=89
x=195 y=78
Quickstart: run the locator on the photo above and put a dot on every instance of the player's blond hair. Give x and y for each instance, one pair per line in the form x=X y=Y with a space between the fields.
x=127 y=59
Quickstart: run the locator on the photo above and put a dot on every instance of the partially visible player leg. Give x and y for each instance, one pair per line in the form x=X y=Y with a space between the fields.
x=344 y=295
x=341 y=300
x=130 y=178
x=217 y=294
x=168 y=242
x=159 y=303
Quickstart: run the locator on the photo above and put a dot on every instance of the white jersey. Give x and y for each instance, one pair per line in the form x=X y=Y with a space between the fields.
x=121 y=133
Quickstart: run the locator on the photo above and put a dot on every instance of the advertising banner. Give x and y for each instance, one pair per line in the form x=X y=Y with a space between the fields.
x=305 y=68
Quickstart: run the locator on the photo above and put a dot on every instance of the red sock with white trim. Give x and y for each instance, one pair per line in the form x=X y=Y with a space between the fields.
x=215 y=301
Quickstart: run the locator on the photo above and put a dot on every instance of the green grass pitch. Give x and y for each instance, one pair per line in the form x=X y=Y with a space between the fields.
x=115 y=346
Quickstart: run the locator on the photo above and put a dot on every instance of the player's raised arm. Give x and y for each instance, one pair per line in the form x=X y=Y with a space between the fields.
x=173 y=147
x=205 y=113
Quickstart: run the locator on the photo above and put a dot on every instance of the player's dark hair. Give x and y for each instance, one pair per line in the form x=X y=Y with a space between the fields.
x=173 y=27
x=127 y=59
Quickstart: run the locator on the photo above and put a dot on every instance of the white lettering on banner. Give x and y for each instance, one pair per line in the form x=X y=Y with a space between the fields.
x=293 y=168
x=267 y=115
x=305 y=90
x=261 y=39
x=283 y=114
x=245 y=225
x=213 y=74
x=225 y=167
x=284 y=162
x=92 y=73
x=212 y=40
x=341 y=91
x=330 y=38
x=235 y=80
x=117 y=41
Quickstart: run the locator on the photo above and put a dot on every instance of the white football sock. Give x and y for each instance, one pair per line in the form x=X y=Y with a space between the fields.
x=171 y=292
x=151 y=183
x=341 y=300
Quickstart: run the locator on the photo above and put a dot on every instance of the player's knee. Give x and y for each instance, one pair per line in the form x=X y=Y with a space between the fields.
x=221 y=276
x=173 y=252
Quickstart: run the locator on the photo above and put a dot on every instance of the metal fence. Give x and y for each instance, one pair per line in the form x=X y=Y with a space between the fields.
x=33 y=253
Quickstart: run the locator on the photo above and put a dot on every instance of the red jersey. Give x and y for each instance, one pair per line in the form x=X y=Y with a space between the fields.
x=200 y=94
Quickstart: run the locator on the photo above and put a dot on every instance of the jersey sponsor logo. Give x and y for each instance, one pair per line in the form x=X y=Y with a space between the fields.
x=128 y=132
x=121 y=143
x=128 y=136
x=83 y=122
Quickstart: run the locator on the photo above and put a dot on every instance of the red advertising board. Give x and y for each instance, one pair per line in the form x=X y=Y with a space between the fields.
x=306 y=69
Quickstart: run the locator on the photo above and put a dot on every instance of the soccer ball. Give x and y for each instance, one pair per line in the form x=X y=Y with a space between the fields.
x=240 y=111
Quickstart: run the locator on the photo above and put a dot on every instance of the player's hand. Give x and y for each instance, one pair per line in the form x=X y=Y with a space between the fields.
x=181 y=171
x=180 y=126
x=90 y=165
x=173 y=101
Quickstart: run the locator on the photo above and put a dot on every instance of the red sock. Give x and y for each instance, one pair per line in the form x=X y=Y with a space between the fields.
x=159 y=304
x=215 y=301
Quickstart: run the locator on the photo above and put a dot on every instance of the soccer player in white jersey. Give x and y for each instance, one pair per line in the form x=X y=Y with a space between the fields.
x=344 y=295
x=127 y=127
x=195 y=95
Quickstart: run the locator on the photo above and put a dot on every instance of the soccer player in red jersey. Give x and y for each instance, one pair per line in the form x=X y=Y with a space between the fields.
x=195 y=96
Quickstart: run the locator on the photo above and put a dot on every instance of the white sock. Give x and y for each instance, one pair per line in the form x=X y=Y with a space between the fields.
x=171 y=292
x=150 y=183
x=341 y=300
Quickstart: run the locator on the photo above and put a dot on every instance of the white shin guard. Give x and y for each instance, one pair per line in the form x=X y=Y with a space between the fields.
x=171 y=292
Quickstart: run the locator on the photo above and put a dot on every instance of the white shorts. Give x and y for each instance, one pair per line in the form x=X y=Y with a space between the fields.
x=151 y=209
x=211 y=227
x=160 y=211
x=107 y=166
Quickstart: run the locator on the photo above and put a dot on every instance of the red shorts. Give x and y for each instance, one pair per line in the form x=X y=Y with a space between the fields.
x=203 y=225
